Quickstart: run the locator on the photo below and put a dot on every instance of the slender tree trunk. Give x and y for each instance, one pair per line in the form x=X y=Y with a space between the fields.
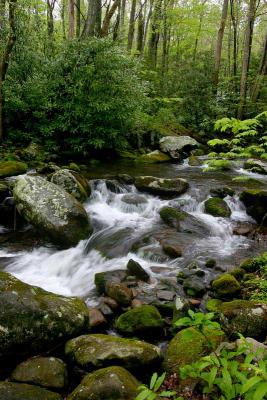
x=234 y=25
x=123 y=7
x=199 y=30
x=147 y=24
x=140 y=32
x=218 y=51
x=131 y=26
x=2 y=13
x=109 y=14
x=50 y=18
x=63 y=11
x=164 y=39
x=155 y=33
x=117 y=23
x=246 y=57
x=261 y=73
x=78 y=18
x=71 y=13
x=4 y=62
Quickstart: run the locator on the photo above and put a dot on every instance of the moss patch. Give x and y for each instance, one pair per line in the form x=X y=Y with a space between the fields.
x=12 y=168
x=140 y=320
x=226 y=285
x=217 y=207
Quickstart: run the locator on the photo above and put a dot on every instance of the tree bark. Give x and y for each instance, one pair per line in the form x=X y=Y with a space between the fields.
x=4 y=62
x=108 y=17
x=131 y=26
x=218 y=51
x=140 y=33
x=2 y=13
x=50 y=18
x=78 y=18
x=201 y=17
x=63 y=8
x=261 y=73
x=246 y=56
x=71 y=13
x=92 y=24
x=155 y=33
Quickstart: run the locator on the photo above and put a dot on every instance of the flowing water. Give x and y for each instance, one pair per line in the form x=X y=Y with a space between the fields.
x=123 y=231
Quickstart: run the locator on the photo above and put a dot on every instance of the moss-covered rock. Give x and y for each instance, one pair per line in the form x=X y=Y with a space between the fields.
x=144 y=319
x=255 y=201
x=238 y=273
x=217 y=207
x=222 y=192
x=161 y=186
x=33 y=320
x=246 y=317
x=218 y=165
x=113 y=383
x=248 y=182
x=226 y=286
x=74 y=167
x=103 y=278
x=22 y=391
x=154 y=157
x=188 y=345
x=177 y=146
x=34 y=151
x=73 y=183
x=49 y=372
x=51 y=209
x=194 y=161
x=134 y=199
x=172 y=216
x=255 y=166
x=97 y=351
x=212 y=305
x=12 y=168
x=172 y=250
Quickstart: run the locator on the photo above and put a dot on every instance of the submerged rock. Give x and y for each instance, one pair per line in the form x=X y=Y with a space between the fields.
x=98 y=351
x=73 y=183
x=51 y=209
x=113 y=383
x=177 y=146
x=12 y=168
x=217 y=207
x=256 y=204
x=161 y=186
x=32 y=319
x=134 y=199
x=22 y=391
x=141 y=320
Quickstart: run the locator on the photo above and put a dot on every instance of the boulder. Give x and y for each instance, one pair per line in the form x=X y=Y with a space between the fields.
x=22 y=391
x=194 y=286
x=222 y=192
x=141 y=320
x=113 y=383
x=135 y=269
x=226 y=286
x=97 y=351
x=160 y=186
x=34 y=151
x=49 y=372
x=217 y=207
x=177 y=146
x=34 y=320
x=96 y=318
x=255 y=201
x=51 y=209
x=172 y=250
x=256 y=166
x=154 y=157
x=12 y=168
x=119 y=292
x=73 y=183
x=103 y=278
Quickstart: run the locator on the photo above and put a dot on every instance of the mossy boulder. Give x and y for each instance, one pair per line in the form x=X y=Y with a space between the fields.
x=34 y=320
x=246 y=317
x=218 y=166
x=172 y=216
x=161 y=186
x=172 y=250
x=177 y=146
x=141 y=320
x=34 y=152
x=238 y=273
x=189 y=345
x=217 y=207
x=12 y=168
x=113 y=383
x=97 y=351
x=222 y=192
x=49 y=372
x=226 y=286
x=212 y=305
x=74 y=167
x=153 y=157
x=194 y=161
x=134 y=199
x=248 y=182
x=22 y=391
x=255 y=166
x=52 y=210
x=73 y=183
x=255 y=201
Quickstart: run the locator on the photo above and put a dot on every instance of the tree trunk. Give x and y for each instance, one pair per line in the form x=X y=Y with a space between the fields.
x=140 y=33
x=50 y=18
x=147 y=22
x=71 y=13
x=234 y=24
x=108 y=17
x=218 y=51
x=92 y=24
x=261 y=73
x=63 y=8
x=201 y=17
x=4 y=62
x=117 y=23
x=78 y=18
x=2 y=13
x=246 y=56
x=123 y=7
x=131 y=26
x=155 y=33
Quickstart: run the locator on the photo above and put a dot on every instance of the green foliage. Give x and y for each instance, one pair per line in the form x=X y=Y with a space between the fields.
x=198 y=320
x=154 y=390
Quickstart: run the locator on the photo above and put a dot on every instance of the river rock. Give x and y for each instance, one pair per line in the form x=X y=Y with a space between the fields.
x=51 y=209
x=256 y=166
x=73 y=183
x=160 y=186
x=4 y=191
x=103 y=278
x=119 y=292
x=154 y=157
x=256 y=204
x=177 y=146
x=49 y=372
x=97 y=350
x=33 y=320
x=173 y=250
x=12 y=168
x=135 y=269
x=134 y=199
x=113 y=383
x=222 y=192
x=226 y=286
x=22 y=391
x=96 y=318
x=217 y=207
x=141 y=320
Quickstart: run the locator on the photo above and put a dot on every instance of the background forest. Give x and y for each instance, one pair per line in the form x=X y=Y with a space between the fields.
x=108 y=74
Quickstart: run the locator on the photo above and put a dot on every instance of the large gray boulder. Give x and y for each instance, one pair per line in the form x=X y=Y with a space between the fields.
x=161 y=186
x=34 y=320
x=73 y=183
x=51 y=209
x=177 y=146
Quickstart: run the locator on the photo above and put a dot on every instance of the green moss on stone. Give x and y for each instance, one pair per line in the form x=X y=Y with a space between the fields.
x=140 y=320
x=217 y=207
x=226 y=285
x=212 y=305
x=12 y=168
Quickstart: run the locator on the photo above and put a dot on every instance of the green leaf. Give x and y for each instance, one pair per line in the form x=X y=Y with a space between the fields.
x=261 y=391
x=250 y=383
x=159 y=382
x=153 y=380
x=143 y=395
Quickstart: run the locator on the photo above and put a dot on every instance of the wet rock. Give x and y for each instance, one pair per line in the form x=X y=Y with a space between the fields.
x=244 y=229
x=246 y=317
x=248 y=182
x=154 y=157
x=257 y=348
x=194 y=286
x=12 y=168
x=161 y=186
x=96 y=318
x=222 y=192
x=98 y=351
x=74 y=183
x=113 y=383
x=256 y=204
x=177 y=146
x=110 y=302
x=106 y=310
x=134 y=199
x=211 y=263
x=48 y=372
x=194 y=161
x=49 y=168
x=134 y=268
x=226 y=286
x=255 y=166
x=172 y=250
x=217 y=207
x=119 y=292
x=167 y=295
x=22 y=391
x=136 y=303
x=4 y=192
x=33 y=320
x=124 y=178
x=113 y=185
x=218 y=165
x=103 y=278
x=181 y=307
x=238 y=273
x=51 y=209
x=141 y=320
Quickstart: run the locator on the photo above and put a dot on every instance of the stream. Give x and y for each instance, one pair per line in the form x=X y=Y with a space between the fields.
x=127 y=226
